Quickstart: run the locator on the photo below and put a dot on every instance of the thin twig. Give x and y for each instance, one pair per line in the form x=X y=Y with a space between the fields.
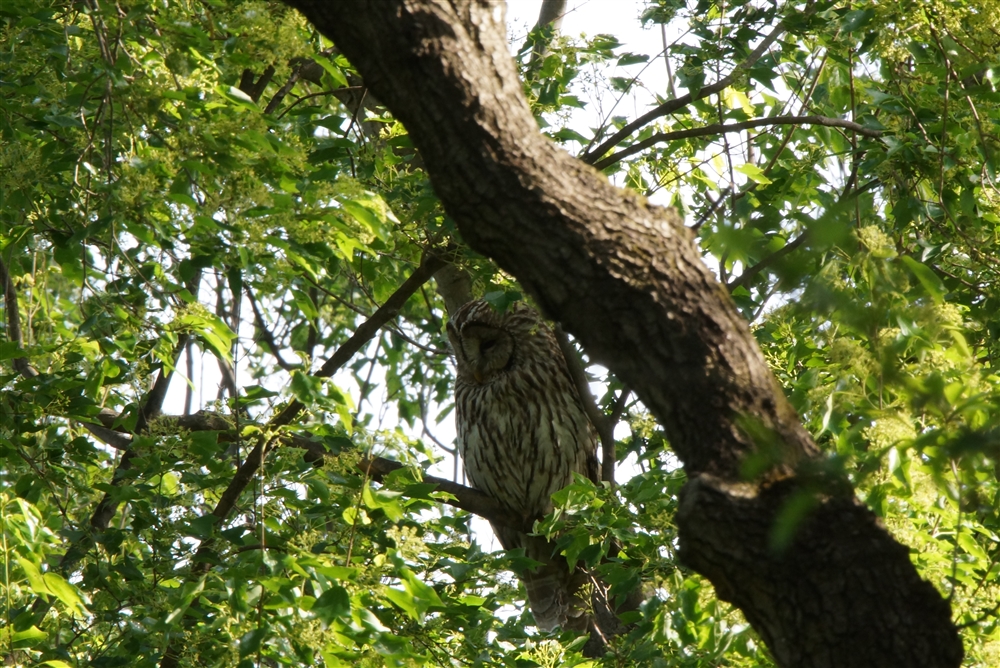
x=266 y=334
x=609 y=456
x=602 y=425
x=979 y=620
x=332 y=91
x=745 y=277
x=722 y=128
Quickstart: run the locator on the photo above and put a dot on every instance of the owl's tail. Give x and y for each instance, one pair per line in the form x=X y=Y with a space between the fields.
x=557 y=597
x=561 y=598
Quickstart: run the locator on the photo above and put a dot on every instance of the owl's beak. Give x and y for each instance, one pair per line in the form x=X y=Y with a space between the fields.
x=478 y=375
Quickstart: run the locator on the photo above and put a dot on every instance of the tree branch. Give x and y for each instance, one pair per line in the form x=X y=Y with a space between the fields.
x=266 y=333
x=454 y=286
x=671 y=106
x=602 y=424
x=108 y=505
x=765 y=262
x=752 y=271
x=209 y=421
x=550 y=14
x=466 y=498
x=21 y=364
x=364 y=333
x=720 y=128
x=302 y=69
x=255 y=90
x=609 y=456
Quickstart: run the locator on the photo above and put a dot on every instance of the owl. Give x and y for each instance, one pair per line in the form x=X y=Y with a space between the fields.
x=522 y=433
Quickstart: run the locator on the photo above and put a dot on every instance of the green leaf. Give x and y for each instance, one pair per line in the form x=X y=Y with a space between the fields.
x=306 y=388
x=334 y=603
x=335 y=72
x=416 y=598
x=474 y=601
x=202 y=527
x=238 y=97
x=754 y=173
x=212 y=331
x=9 y=350
x=29 y=637
x=387 y=501
x=188 y=592
x=968 y=543
x=53 y=584
x=856 y=19
x=251 y=641
x=932 y=284
x=365 y=214
x=404 y=600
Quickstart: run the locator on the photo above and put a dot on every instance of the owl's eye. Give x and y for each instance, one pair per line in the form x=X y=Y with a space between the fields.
x=485 y=346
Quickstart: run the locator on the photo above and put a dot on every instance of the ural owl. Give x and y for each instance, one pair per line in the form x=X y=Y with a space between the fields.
x=523 y=433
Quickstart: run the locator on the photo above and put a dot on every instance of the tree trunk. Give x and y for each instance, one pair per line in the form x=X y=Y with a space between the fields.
x=627 y=280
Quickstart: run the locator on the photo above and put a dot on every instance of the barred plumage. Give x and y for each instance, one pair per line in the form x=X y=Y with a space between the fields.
x=523 y=433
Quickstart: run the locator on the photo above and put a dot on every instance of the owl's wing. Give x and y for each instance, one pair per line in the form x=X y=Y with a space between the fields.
x=587 y=443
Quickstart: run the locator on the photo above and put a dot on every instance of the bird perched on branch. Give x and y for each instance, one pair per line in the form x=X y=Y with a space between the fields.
x=523 y=432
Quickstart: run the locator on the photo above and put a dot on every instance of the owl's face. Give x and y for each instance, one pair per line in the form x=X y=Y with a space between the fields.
x=483 y=347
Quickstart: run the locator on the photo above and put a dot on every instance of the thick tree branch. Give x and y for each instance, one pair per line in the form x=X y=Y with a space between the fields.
x=627 y=280
x=720 y=128
x=525 y=202
x=673 y=105
x=454 y=286
x=466 y=498
x=815 y=562
x=550 y=14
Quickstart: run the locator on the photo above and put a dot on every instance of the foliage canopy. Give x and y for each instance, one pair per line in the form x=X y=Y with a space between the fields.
x=197 y=185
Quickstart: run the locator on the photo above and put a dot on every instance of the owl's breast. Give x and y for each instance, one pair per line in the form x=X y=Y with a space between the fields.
x=520 y=442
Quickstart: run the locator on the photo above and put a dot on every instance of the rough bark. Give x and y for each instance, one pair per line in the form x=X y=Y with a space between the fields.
x=626 y=279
